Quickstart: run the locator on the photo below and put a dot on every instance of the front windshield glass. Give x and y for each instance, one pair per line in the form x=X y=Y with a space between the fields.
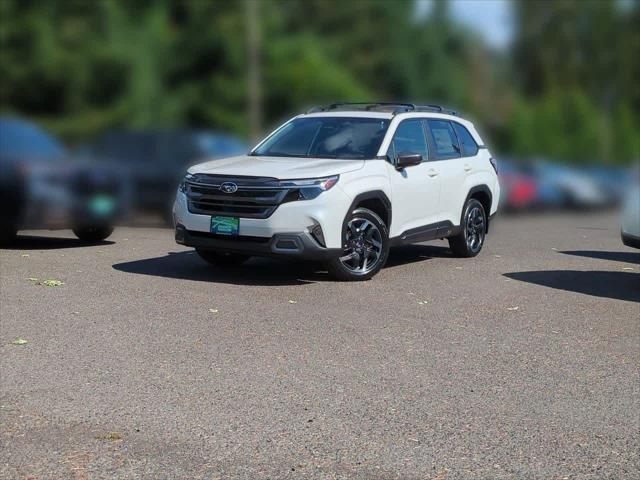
x=326 y=137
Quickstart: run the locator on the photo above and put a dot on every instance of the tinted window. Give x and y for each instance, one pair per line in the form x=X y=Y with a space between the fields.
x=327 y=137
x=468 y=145
x=444 y=139
x=409 y=138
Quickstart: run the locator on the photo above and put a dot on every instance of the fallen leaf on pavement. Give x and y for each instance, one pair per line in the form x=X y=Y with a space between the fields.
x=110 y=436
x=19 y=341
x=52 y=283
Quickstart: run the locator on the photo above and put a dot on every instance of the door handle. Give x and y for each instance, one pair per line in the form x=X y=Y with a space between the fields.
x=467 y=168
x=432 y=172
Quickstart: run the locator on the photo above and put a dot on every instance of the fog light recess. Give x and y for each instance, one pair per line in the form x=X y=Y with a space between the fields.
x=316 y=233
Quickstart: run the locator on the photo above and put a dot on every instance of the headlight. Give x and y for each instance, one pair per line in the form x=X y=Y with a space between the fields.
x=310 y=188
x=183 y=183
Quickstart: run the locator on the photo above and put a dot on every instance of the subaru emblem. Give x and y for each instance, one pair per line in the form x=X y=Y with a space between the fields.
x=229 y=187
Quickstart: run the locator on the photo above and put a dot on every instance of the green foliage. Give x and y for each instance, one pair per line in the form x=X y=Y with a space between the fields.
x=561 y=126
x=567 y=89
x=575 y=62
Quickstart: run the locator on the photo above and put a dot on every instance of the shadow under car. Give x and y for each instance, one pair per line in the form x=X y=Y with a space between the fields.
x=629 y=257
x=615 y=285
x=33 y=242
x=187 y=265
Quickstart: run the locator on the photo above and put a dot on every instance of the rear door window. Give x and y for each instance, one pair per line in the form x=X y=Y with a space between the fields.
x=445 y=142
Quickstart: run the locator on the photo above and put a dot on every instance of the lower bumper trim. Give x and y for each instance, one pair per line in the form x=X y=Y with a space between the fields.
x=297 y=245
x=630 y=240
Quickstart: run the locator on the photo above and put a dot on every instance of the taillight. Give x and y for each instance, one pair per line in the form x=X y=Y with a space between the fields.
x=494 y=164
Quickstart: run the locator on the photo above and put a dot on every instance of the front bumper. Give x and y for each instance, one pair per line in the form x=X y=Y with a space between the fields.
x=327 y=212
x=296 y=245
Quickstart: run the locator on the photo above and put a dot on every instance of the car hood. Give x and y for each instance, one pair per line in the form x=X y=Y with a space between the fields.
x=277 y=167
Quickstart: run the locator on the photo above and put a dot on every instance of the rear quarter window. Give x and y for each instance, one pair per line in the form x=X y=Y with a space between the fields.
x=468 y=146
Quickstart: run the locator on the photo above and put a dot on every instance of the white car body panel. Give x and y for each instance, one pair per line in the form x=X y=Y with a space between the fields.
x=416 y=196
x=277 y=167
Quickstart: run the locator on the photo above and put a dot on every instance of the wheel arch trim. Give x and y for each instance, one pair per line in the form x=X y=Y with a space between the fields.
x=373 y=195
x=481 y=188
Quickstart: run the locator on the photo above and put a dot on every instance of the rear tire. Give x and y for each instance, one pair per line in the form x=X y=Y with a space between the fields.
x=473 y=225
x=365 y=241
x=93 y=234
x=8 y=234
x=220 y=258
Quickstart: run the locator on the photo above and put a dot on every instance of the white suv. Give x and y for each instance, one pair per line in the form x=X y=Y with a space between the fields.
x=342 y=184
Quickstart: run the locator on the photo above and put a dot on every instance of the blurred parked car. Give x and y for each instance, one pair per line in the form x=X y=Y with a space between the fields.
x=631 y=213
x=156 y=160
x=614 y=182
x=518 y=190
x=42 y=188
x=564 y=186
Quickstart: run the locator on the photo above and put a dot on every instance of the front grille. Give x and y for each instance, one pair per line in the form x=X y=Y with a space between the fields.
x=256 y=197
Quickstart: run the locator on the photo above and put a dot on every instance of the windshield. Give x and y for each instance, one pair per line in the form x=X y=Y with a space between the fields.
x=326 y=137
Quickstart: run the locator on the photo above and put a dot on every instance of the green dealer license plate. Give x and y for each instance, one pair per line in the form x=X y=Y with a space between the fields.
x=102 y=205
x=225 y=225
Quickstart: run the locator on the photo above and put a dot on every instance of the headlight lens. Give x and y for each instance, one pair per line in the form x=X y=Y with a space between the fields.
x=183 y=183
x=310 y=188
x=323 y=183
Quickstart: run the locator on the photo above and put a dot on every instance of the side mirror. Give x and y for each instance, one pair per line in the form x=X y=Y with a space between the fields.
x=407 y=160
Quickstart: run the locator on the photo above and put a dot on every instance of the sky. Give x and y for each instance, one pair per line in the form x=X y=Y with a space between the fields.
x=491 y=18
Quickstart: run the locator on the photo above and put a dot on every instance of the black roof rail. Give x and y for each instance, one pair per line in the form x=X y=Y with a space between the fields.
x=367 y=106
x=435 y=108
x=394 y=107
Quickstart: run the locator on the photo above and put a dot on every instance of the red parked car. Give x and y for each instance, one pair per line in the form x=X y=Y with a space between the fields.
x=518 y=191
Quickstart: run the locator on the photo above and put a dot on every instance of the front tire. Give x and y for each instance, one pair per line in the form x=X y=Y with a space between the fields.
x=470 y=240
x=93 y=234
x=365 y=242
x=220 y=258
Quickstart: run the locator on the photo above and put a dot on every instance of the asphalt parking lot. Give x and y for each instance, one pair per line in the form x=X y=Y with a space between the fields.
x=147 y=363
